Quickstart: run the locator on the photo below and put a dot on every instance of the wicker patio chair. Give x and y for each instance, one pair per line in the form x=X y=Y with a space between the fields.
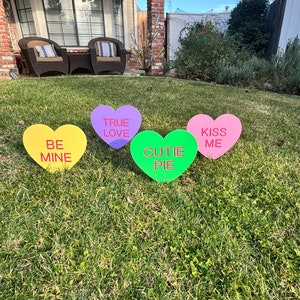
x=108 y=55
x=43 y=56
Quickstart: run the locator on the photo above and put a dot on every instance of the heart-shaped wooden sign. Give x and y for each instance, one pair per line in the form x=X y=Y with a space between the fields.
x=215 y=137
x=163 y=159
x=55 y=150
x=116 y=128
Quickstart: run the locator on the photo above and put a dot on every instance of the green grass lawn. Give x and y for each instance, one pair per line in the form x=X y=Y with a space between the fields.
x=226 y=229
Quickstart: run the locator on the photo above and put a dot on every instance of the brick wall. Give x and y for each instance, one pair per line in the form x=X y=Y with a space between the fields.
x=155 y=10
x=7 y=60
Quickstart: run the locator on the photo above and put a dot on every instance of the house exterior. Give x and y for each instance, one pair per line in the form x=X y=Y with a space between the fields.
x=7 y=60
x=283 y=17
x=290 y=25
x=70 y=23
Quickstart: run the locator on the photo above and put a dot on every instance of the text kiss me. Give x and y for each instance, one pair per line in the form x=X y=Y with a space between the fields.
x=213 y=132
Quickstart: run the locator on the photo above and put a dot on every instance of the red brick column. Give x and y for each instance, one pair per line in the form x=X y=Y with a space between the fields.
x=7 y=59
x=156 y=24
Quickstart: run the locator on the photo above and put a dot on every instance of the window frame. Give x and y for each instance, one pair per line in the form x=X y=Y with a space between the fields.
x=30 y=23
x=75 y=19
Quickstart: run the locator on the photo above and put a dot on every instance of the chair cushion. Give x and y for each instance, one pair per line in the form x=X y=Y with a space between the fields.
x=106 y=49
x=50 y=59
x=108 y=59
x=33 y=43
x=46 y=50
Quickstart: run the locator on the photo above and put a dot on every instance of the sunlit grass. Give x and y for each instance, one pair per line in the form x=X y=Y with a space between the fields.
x=225 y=229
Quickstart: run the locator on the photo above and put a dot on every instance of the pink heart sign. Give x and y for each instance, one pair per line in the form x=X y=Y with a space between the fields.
x=116 y=128
x=215 y=137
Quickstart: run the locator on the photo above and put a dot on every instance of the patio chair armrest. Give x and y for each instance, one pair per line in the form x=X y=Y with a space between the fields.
x=62 y=52
x=31 y=54
x=122 y=52
x=93 y=55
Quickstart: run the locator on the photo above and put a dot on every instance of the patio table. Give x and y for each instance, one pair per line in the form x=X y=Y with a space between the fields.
x=80 y=61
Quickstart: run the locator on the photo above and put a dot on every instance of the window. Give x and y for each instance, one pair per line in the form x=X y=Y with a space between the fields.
x=25 y=17
x=118 y=19
x=89 y=17
x=74 y=22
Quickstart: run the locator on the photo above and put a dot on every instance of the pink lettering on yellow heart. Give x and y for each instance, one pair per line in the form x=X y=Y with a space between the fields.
x=55 y=150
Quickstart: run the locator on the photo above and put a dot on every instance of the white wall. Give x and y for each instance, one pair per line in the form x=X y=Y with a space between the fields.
x=290 y=25
x=176 y=22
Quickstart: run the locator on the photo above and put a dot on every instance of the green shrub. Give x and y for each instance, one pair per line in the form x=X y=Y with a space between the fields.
x=239 y=74
x=286 y=76
x=282 y=74
x=199 y=52
x=207 y=55
x=251 y=72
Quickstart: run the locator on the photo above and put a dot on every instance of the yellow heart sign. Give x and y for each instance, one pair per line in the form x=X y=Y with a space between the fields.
x=55 y=150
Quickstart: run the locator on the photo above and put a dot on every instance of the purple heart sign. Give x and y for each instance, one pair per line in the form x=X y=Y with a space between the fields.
x=116 y=128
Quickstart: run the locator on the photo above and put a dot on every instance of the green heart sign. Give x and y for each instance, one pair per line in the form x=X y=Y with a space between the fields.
x=164 y=159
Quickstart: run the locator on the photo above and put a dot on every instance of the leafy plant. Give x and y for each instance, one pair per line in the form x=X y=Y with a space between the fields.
x=253 y=71
x=282 y=74
x=201 y=49
x=286 y=76
x=201 y=46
